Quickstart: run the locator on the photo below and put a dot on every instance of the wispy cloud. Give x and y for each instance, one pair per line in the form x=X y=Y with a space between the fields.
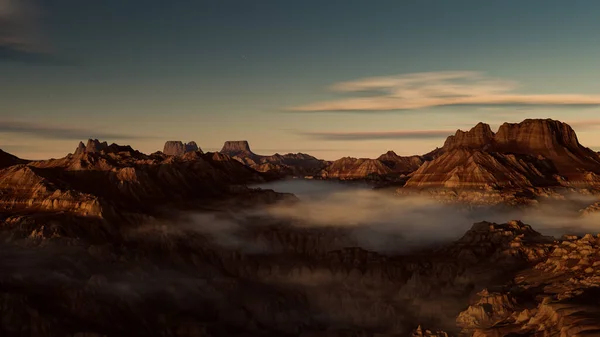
x=377 y=135
x=434 y=89
x=61 y=133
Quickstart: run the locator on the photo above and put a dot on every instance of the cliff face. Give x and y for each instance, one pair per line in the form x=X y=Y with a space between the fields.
x=277 y=165
x=239 y=147
x=532 y=153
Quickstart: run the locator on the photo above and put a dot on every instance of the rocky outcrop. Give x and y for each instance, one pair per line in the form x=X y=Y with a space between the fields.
x=556 y=297
x=355 y=168
x=178 y=148
x=234 y=148
x=480 y=137
x=388 y=166
x=277 y=165
x=93 y=146
x=465 y=168
x=400 y=164
x=118 y=178
x=531 y=154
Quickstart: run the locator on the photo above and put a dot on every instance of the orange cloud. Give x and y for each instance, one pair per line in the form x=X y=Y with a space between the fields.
x=432 y=89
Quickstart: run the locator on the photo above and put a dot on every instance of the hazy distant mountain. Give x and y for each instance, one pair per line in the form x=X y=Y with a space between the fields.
x=277 y=165
x=178 y=148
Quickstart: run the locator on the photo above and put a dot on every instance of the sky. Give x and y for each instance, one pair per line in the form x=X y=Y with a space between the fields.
x=331 y=78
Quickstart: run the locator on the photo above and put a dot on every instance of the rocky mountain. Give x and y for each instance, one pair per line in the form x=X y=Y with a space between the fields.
x=531 y=154
x=277 y=165
x=178 y=148
x=355 y=168
x=118 y=178
x=387 y=166
x=400 y=164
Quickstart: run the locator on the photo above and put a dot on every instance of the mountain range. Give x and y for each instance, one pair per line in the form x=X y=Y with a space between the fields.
x=109 y=241
x=536 y=155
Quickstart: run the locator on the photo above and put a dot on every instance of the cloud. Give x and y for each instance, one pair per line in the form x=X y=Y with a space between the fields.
x=376 y=135
x=62 y=133
x=382 y=221
x=435 y=89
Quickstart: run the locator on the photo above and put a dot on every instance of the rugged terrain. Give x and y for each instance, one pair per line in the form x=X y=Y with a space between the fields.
x=519 y=163
x=387 y=166
x=277 y=165
x=109 y=241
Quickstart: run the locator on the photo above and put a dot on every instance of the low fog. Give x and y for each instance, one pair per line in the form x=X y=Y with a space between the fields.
x=372 y=219
x=382 y=221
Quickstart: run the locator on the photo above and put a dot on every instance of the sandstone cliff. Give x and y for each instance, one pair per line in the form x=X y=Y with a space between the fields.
x=533 y=153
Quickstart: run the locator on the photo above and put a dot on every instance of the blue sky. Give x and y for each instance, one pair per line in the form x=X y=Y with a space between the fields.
x=143 y=72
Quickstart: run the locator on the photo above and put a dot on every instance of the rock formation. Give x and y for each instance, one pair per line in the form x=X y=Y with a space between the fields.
x=235 y=148
x=178 y=148
x=388 y=166
x=277 y=165
x=355 y=168
x=400 y=164
x=93 y=146
x=533 y=153
x=91 y=182
x=558 y=296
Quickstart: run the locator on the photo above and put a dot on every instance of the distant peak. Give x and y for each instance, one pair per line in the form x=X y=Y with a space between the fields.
x=178 y=148
x=236 y=146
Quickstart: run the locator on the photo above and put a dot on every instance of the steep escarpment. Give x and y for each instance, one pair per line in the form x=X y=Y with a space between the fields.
x=277 y=165
x=533 y=153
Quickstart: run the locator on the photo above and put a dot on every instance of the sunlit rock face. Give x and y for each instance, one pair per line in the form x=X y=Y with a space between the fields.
x=530 y=154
